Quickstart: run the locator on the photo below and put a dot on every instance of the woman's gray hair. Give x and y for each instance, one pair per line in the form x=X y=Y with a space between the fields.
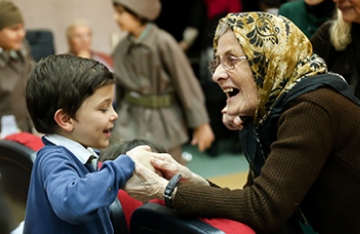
x=222 y=28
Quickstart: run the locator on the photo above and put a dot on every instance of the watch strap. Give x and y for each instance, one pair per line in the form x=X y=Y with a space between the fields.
x=169 y=189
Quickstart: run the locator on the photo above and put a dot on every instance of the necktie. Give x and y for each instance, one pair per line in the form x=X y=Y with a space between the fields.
x=94 y=162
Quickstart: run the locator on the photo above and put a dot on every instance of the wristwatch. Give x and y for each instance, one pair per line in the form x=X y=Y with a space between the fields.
x=169 y=189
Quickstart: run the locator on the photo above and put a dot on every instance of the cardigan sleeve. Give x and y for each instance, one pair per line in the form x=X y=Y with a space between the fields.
x=303 y=144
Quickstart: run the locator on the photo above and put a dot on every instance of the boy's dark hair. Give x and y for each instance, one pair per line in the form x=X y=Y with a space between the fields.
x=114 y=150
x=62 y=82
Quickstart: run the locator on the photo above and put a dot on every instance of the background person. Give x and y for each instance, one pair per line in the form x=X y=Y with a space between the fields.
x=338 y=42
x=79 y=37
x=161 y=97
x=15 y=65
x=308 y=15
x=297 y=132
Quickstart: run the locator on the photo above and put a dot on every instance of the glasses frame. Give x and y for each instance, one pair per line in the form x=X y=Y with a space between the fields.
x=228 y=62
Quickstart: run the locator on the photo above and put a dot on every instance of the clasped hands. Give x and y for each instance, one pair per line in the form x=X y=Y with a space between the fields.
x=153 y=172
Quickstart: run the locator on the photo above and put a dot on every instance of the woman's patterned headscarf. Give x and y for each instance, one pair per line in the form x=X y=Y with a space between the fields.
x=279 y=54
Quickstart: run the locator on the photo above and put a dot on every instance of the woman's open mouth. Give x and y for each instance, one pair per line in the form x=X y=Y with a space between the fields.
x=230 y=92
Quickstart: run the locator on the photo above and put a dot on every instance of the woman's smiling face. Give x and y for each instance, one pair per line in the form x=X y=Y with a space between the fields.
x=238 y=84
x=350 y=10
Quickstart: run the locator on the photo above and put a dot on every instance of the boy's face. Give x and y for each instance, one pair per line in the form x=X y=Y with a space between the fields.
x=11 y=38
x=95 y=119
x=126 y=21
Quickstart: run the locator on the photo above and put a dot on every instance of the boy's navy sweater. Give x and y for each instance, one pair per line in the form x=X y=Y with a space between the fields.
x=65 y=196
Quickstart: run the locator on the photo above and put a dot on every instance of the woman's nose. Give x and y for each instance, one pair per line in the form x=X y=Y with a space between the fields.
x=219 y=74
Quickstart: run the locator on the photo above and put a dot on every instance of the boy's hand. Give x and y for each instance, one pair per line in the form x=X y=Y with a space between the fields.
x=143 y=154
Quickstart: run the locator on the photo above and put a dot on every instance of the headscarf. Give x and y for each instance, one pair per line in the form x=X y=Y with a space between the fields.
x=279 y=54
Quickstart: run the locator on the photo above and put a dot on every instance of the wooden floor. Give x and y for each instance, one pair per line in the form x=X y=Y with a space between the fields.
x=232 y=181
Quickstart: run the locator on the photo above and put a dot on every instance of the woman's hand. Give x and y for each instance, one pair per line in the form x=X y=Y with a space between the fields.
x=231 y=122
x=203 y=136
x=169 y=167
x=145 y=185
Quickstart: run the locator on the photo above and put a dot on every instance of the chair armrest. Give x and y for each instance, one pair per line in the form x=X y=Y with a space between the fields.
x=118 y=218
x=153 y=218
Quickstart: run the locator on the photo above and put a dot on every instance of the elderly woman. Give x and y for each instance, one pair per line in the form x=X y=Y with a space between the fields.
x=79 y=37
x=298 y=131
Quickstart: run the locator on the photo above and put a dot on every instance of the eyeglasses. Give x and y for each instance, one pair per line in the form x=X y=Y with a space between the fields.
x=228 y=62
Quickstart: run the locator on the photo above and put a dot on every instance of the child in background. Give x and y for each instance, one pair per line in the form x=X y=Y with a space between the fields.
x=70 y=100
x=160 y=96
x=15 y=65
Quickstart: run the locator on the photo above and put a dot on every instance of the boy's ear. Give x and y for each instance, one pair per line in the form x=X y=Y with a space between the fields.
x=64 y=121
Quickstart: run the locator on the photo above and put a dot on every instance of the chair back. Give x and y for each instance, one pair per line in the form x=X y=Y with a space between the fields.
x=41 y=43
x=16 y=162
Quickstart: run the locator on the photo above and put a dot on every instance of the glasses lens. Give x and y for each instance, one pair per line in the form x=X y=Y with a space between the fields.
x=228 y=63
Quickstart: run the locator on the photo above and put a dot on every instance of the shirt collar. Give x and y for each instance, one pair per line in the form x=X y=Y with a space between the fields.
x=142 y=35
x=82 y=153
x=6 y=56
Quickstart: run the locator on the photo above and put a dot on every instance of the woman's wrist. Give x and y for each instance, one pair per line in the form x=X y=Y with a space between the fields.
x=198 y=180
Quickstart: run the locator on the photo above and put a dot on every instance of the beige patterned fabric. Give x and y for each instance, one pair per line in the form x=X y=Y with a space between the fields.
x=278 y=52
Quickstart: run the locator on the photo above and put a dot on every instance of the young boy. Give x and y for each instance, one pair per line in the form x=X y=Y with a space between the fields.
x=161 y=97
x=70 y=100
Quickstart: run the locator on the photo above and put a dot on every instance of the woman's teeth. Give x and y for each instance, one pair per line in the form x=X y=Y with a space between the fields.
x=228 y=90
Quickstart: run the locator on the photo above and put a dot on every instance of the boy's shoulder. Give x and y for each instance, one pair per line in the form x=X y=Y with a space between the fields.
x=54 y=151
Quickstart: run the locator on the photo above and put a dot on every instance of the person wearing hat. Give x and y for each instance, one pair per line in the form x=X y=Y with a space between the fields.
x=15 y=65
x=160 y=96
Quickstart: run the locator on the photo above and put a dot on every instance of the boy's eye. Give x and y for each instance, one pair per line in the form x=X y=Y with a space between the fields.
x=104 y=110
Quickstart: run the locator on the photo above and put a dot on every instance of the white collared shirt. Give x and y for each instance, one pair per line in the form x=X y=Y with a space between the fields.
x=81 y=153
